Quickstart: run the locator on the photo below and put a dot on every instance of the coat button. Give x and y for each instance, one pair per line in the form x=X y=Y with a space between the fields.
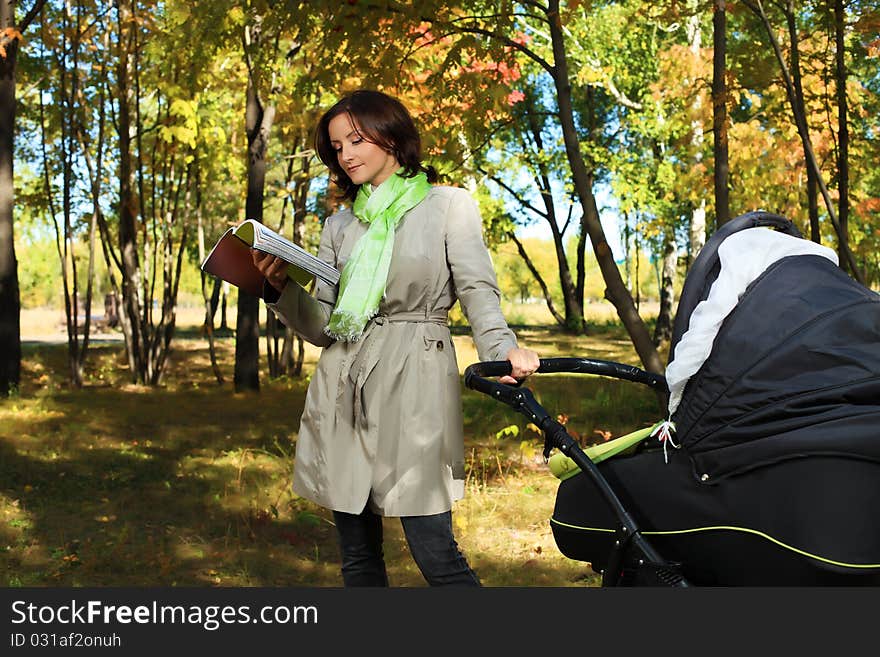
x=439 y=345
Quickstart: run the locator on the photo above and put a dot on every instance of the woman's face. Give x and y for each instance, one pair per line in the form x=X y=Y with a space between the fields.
x=362 y=160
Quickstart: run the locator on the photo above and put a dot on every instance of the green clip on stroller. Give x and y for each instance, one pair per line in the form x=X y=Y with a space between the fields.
x=769 y=471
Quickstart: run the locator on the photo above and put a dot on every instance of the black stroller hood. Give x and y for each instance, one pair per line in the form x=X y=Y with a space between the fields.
x=774 y=390
x=794 y=371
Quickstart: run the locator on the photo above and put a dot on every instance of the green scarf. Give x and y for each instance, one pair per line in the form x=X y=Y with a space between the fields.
x=363 y=279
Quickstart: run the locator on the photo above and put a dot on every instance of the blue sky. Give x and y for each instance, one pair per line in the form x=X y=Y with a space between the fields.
x=608 y=214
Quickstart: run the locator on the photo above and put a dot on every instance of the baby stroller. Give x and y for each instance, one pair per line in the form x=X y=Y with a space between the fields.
x=771 y=475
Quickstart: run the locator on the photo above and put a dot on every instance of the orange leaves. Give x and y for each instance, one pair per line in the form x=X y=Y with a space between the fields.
x=9 y=34
x=868 y=207
x=422 y=36
x=501 y=71
x=522 y=38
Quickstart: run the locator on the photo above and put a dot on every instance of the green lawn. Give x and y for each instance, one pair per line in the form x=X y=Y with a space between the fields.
x=188 y=484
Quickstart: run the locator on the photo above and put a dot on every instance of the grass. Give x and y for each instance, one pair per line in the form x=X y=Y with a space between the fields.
x=188 y=484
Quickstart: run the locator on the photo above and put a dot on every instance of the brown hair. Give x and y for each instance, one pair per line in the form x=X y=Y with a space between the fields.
x=379 y=119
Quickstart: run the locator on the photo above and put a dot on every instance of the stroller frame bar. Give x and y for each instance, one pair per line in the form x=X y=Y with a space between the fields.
x=631 y=549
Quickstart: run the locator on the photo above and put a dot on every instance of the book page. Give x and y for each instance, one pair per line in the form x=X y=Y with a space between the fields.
x=305 y=265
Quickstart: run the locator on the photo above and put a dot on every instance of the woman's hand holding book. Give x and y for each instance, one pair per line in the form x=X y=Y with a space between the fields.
x=274 y=269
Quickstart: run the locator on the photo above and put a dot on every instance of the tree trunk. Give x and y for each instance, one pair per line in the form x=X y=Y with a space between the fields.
x=96 y=174
x=615 y=291
x=549 y=215
x=757 y=7
x=663 y=328
x=293 y=364
x=698 y=214
x=627 y=254
x=10 y=303
x=128 y=210
x=208 y=327
x=69 y=94
x=278 y=337
x=258 y=121
x=719 y=113
x=224 y=296
x=813 y=206
x=574 y=312
x=581 y=255
x=637 y=297
x=843 y=128
x=697 y=231
x=812 y=187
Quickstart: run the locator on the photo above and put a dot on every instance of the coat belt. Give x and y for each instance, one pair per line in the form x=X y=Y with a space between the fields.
x=417 y=317
x=368 y=356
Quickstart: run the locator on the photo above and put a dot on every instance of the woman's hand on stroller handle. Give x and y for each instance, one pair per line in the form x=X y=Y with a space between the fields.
x=523 y=363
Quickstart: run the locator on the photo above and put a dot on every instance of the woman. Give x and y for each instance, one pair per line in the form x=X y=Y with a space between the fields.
x=381 y=433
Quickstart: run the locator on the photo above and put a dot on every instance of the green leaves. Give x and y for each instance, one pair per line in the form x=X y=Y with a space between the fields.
x=510 y=431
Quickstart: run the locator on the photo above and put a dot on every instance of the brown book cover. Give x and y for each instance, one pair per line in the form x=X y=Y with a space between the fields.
x=231 y=258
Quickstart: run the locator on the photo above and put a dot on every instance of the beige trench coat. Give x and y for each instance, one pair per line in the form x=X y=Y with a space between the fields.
x=382 y=423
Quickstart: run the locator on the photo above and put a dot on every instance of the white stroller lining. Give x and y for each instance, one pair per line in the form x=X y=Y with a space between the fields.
x=743 y=256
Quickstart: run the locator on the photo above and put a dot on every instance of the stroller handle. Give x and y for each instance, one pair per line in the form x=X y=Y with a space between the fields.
x=556 y=436
x=475 y=375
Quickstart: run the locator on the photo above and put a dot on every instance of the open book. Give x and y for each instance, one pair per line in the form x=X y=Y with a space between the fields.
x=231 y=259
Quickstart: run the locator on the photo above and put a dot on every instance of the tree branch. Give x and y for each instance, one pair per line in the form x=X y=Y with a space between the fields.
x=546 y=292
x=523 y=202
x=31 y=15
x=511 y=43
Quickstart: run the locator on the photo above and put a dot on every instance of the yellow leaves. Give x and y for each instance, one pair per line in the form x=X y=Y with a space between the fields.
x=185 y=109
x=178 y=133
x=588 y=75
x=235 y=16
x=528 y=450
x=178 y=13
x=186 y=131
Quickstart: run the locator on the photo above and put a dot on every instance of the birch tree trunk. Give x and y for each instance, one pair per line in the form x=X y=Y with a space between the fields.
x=698 y=214
x=130 y=317
x=663 y=328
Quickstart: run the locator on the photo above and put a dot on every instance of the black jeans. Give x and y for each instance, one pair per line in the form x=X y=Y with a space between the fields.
x=430 y=542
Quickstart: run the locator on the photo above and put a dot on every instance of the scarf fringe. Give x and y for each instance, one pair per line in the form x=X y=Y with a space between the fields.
x=349 y=326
